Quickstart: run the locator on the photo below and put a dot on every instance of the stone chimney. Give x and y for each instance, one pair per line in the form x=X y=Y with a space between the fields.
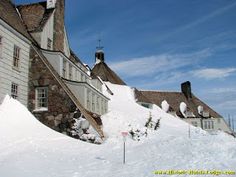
x=59 y=34
x=186 y=89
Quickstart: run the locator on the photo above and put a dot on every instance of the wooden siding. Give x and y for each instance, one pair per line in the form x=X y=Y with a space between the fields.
x=8 y=74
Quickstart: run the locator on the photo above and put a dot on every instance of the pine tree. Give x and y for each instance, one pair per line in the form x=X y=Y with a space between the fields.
x=157 y=124
x=149 y=121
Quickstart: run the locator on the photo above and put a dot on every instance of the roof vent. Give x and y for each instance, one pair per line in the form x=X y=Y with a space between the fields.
x=183 y=108
x=165 y=106
x=200 y=110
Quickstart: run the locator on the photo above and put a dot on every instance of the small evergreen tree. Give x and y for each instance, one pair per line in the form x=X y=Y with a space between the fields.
x=148 y=123
x=157 y=124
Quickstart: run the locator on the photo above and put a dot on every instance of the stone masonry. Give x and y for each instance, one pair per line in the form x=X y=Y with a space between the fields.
x=59 y=34
x=60 y=107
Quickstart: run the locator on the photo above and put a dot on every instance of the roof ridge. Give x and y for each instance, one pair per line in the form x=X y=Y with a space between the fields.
x=162 y=91
x=30 y=4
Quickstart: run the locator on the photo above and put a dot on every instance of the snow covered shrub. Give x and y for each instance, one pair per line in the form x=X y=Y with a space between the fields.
x=137 y=134
x=152 y=124
x=81 y=131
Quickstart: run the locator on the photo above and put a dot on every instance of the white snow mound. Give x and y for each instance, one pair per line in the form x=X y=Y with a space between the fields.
x=30 y=149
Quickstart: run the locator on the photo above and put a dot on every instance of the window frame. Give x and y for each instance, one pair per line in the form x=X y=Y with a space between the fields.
x=88 y=99
x=38 y=100
x=209 y=125
x=194 y=123
x=70 y=71
x=14 y=90
x=49 y=44
x=16 y=56
x=1 y=46
x=64 y=73
x=93 y=102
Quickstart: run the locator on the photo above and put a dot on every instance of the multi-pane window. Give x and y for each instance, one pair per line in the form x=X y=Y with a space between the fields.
x=64 y=68
x=16 y=56
x=70 y=71
x=208 y=124
x=14 y=90
x=82 y=78
x=88 y=99
x=93 y=102
x=0 y=46
x=98 y=107
x=194 y=123
x=105 y=107
x=78 y=76
x=102 y=106
x=41 y=97
x=49 y=44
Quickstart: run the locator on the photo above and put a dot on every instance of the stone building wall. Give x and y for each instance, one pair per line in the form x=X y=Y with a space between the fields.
x=59 y=33
x=60 y=107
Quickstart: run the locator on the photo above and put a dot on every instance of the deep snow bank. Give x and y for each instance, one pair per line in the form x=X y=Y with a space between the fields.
x=30 y=149
x=124 y=113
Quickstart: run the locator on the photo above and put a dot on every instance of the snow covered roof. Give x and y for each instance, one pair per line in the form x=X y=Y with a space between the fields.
x=106 y=74
x=175 y=98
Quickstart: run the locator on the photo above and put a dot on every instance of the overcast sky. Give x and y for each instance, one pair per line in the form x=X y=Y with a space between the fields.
x=158 y=44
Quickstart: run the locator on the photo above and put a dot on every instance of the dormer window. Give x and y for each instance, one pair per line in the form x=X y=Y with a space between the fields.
x=49 y=44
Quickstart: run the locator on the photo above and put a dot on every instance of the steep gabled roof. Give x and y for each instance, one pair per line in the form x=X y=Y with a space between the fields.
x=106 y=74
x=175 y=98
x=139 y=96
x=9 y=14
x=35 y=15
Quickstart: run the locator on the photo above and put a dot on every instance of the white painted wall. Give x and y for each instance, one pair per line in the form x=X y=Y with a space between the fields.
x=47 y=32
x=66 y=44
x=80 y=90
x=219 y=123
x=8 y=74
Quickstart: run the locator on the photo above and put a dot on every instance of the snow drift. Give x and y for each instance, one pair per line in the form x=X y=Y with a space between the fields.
x=30 y=149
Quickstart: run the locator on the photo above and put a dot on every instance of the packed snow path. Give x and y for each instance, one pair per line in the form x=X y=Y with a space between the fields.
x=30 y=149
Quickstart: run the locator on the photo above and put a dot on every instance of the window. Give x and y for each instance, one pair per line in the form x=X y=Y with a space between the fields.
x=209 y=124
x=194 y=123
x=93 y=102
x=0 y=46
x=78 y=76
x=70 y=71
x=98 y=107
x=41 y=97
x=49 y=44
x=88 y=99
x=105 y=107
x=16 y=56
x=82 y=78
x=102 y=106
x=64 y=68
x=14 y=90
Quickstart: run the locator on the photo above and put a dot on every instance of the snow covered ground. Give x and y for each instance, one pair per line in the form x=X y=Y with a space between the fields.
x=30 y=149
